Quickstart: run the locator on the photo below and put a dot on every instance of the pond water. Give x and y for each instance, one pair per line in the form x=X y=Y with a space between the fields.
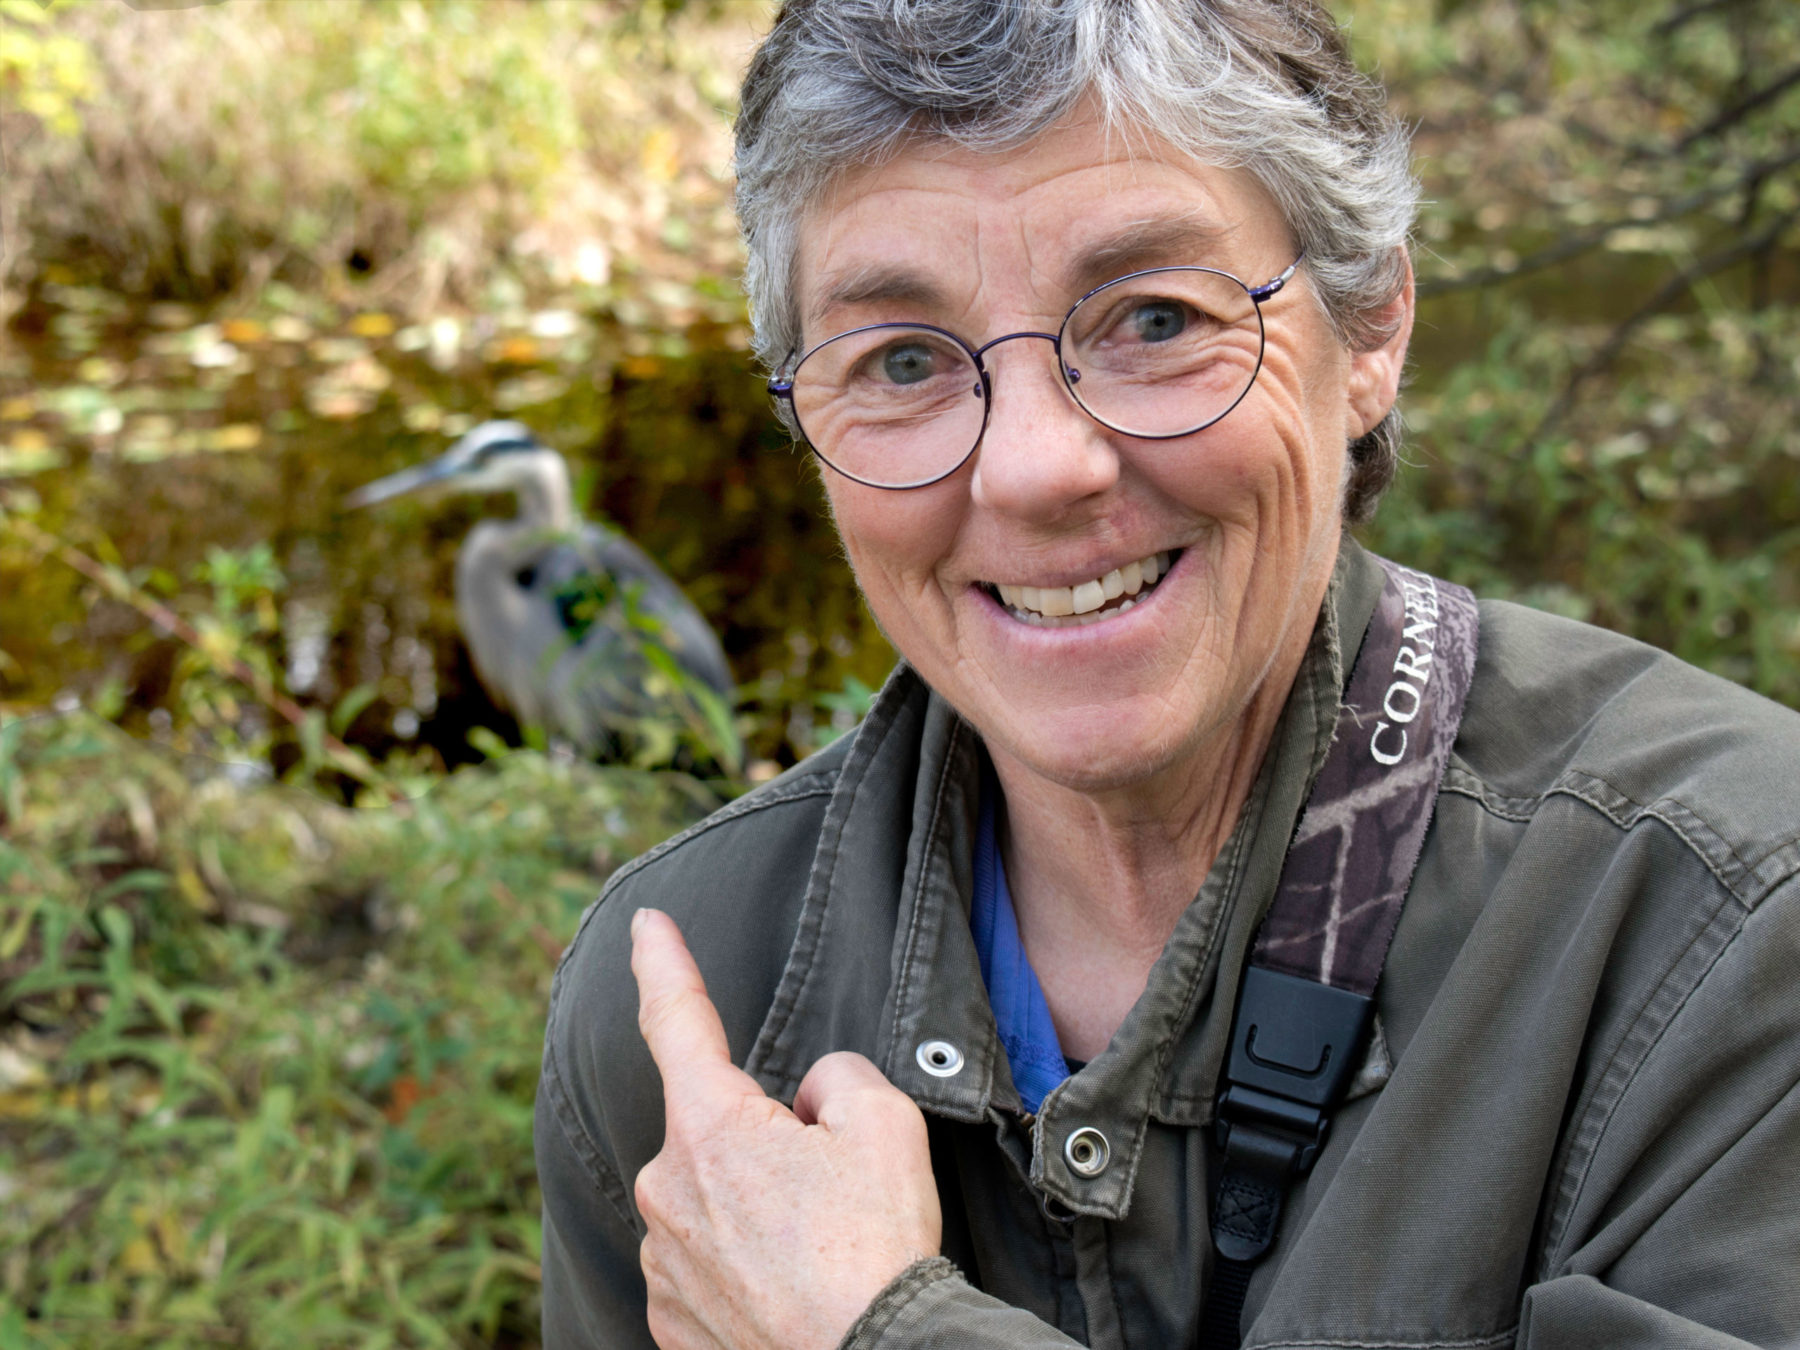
x=148 y=437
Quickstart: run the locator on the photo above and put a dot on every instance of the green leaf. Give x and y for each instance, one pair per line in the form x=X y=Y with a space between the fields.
x=350 y=706
x=487 y=743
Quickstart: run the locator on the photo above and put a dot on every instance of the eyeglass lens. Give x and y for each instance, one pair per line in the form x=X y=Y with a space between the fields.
x=1155 y=354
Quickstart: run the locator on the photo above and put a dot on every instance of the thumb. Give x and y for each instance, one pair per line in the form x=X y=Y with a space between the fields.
x=845 y=1087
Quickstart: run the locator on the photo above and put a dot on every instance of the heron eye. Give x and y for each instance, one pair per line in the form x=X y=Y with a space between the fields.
x=1159 y=320
x=526 y=577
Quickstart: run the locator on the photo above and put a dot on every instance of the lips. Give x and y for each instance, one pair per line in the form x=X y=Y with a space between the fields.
x=1087 y=602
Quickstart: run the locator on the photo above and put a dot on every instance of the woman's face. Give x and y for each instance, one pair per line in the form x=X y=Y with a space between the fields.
x=1248 y=510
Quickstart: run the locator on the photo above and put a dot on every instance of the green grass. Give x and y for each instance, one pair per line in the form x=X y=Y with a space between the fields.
x=267 y=1064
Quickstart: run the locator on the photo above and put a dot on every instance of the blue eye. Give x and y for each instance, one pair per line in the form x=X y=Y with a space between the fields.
x=1158 y=321
x=907 y=363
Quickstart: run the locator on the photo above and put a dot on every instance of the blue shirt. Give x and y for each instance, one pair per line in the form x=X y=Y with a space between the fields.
x=1020 y=1012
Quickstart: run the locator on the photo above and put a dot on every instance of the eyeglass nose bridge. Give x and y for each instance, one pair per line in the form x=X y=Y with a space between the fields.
x=1069 y=375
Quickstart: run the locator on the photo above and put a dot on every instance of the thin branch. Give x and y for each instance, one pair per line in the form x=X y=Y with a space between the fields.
x=1669 y=292
x=1688 y=13
x=1738 y=111
x=1573 y=245
x=232 y=667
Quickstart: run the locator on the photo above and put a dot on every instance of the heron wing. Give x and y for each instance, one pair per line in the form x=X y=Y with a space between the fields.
x=680 y=627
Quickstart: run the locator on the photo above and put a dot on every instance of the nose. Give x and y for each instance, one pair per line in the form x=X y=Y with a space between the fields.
x=1040 y=454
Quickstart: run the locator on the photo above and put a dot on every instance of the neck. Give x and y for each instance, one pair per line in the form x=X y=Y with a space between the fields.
x=545 y=501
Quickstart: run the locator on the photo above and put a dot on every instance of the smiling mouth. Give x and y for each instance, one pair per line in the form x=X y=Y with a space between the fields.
x=1091 y=602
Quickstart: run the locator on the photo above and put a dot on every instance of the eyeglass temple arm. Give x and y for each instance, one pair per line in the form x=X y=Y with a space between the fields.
x=1269 y=288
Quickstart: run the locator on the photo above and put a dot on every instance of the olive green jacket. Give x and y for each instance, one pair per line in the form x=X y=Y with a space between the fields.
x=1578 y=1125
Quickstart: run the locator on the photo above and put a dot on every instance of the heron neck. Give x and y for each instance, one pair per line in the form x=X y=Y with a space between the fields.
x=545 y=500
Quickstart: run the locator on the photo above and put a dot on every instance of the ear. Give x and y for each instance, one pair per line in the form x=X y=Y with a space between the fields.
x=1375 y=374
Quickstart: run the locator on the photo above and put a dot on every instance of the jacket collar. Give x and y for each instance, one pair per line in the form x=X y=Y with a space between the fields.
x=884 y=963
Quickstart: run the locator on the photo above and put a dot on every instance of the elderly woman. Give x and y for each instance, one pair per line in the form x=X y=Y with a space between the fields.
x=1057 y=1005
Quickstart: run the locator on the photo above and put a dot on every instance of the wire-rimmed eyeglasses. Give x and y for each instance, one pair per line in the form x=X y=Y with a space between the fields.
x=1155 y=355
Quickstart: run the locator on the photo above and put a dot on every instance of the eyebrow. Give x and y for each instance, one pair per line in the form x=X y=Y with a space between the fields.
x=1143 y=244
x=879 y=283
x=1132 y=248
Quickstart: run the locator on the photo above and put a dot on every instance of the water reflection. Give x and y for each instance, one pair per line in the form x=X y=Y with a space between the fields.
x=160 y=443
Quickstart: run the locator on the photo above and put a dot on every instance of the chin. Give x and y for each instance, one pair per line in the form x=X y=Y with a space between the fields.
x=1099 y=750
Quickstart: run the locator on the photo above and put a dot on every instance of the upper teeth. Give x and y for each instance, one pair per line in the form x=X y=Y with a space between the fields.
x=1061 y=601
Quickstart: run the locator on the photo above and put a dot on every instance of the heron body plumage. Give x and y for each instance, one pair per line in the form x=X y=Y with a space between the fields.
x=569 y=625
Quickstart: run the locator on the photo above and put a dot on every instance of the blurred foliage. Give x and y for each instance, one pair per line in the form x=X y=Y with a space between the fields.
x=267 y=1064
x=1607 y=360
x=439 y=148
x=44 y=73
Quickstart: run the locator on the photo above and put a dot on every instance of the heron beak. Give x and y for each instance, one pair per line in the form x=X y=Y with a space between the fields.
x=418 y=477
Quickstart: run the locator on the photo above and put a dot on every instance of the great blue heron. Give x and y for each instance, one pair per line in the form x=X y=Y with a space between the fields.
x=570 y=626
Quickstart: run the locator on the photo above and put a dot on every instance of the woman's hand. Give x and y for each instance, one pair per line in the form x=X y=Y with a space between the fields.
x=768 y=1229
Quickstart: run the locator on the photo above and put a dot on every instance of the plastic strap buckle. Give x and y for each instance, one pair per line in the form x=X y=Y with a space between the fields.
x=1293 y=1051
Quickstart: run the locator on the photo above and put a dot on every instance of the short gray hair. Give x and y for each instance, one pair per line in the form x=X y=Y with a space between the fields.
x=1266 y=85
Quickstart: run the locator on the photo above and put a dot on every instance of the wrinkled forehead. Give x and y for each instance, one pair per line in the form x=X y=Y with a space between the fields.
x=1041 y=223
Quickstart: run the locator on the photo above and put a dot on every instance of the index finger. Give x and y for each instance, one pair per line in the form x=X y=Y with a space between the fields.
x=677 y=1019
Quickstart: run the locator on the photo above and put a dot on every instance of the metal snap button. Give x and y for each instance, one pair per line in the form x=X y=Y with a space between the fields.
x=940 y=1059
x=1087 y=1152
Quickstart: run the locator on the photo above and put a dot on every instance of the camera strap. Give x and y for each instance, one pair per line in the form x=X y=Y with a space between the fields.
x=1306 y=1002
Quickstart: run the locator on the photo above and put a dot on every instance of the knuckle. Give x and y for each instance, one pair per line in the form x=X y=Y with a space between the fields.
x=647 y=1191
x=656 y=1272
x=847 y=1066
x=661 y=1324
